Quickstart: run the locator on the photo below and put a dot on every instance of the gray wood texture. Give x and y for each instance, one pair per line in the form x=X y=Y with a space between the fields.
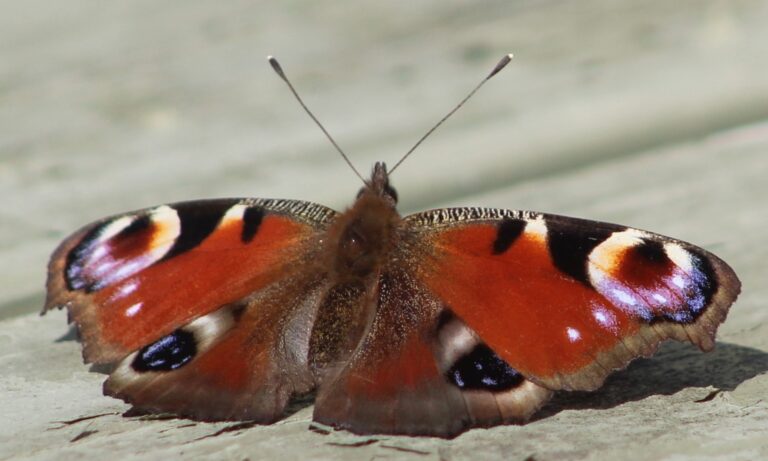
x=647 y=113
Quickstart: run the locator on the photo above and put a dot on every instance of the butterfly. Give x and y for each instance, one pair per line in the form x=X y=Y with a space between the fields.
x=427 y=324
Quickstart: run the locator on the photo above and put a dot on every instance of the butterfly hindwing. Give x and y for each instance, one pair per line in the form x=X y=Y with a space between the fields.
x=241 y=362
x=566 y=301
x=420 y=370
x=390 y=383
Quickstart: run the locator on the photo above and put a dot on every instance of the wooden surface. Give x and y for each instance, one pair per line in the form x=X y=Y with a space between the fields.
x=648 y=113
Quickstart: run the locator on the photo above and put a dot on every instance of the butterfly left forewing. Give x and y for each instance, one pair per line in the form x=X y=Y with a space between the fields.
x=565 y=301
x=130 y=279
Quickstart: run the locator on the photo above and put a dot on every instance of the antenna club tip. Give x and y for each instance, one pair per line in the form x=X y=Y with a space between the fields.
x=276 y=66
x=500 y=65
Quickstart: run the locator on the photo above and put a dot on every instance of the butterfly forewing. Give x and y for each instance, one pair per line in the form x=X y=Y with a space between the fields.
x=565 y=301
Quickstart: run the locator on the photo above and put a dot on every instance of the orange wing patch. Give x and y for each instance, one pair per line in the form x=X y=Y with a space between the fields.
x=221 y=270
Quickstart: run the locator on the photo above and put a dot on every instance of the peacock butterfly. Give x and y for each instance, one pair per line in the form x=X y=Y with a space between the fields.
x=427 y=324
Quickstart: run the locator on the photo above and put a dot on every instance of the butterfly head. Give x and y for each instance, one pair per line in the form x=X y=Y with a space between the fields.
x=379 y=186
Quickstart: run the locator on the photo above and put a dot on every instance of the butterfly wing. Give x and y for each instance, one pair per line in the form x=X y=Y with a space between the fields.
x=207 y=305
x=481 y=313
x=566 y=301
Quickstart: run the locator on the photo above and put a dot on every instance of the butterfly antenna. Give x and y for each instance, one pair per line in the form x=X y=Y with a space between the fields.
x=500 y=65
x=279 y=70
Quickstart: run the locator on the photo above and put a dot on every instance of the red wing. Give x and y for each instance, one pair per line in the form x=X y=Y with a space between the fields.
x=132 y=279
x=566 y=301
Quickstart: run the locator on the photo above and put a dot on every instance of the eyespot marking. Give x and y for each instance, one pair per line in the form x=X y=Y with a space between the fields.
x=482 y=369
x=167 y=353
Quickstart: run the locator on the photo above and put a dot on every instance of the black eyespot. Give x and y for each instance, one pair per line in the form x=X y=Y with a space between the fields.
x=139 y=224
x=652 y=251
x=167 y=353
x=482 y=369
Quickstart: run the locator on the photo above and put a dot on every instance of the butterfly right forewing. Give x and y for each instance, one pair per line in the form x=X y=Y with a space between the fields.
x=566 y=301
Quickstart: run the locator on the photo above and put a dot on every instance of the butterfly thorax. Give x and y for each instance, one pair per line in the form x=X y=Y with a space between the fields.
x=364 y=234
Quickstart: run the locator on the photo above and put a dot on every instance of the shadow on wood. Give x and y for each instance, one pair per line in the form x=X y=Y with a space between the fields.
x=675 y=367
